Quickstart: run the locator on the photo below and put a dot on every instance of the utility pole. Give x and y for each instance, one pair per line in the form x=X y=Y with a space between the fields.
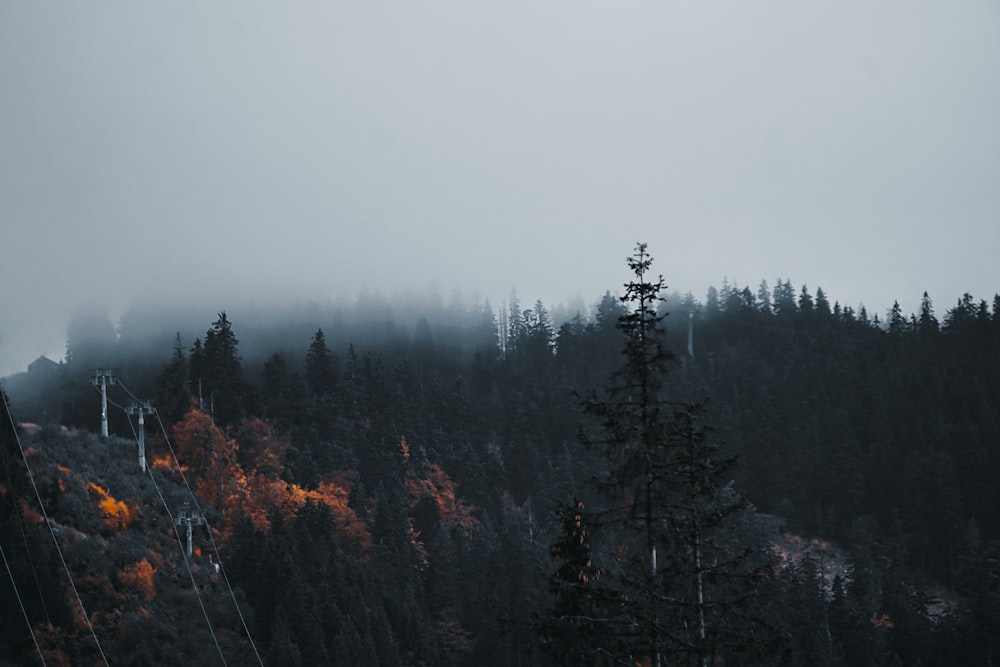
x=142 y=409
x=188 y=519
x=102 y=378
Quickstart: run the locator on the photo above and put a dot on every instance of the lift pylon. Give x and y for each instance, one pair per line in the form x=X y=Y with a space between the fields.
x=102 y=379
x=141 y=408
x=188 y=519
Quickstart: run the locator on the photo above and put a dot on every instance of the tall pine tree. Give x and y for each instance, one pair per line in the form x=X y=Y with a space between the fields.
x=223 y=373
x=667 y=538
x=173 y=389
x=321 y=369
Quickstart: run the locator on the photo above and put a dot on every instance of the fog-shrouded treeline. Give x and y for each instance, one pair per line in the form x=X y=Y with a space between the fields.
x=385 y=482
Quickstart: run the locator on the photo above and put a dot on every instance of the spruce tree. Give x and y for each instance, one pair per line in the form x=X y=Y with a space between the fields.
x=667 y=539
x=897 y=323
x=927 y=322
x=784 y=297
x=173 y=389
x=223 y=373
x=806 y=304
x=822 y=303
x=321 y=371
x=764 y=298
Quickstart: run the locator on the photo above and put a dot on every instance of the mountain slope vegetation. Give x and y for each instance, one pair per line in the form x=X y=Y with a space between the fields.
x=386 y=492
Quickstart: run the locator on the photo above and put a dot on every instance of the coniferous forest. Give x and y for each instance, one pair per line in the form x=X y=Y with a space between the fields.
x=762 y=477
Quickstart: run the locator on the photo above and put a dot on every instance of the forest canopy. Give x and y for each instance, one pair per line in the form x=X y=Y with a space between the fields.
x=411 y=487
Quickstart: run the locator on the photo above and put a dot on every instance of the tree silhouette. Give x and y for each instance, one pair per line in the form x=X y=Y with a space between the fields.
x=173 y=389
x=675 y=571
x=321 y=370
x=223 y=373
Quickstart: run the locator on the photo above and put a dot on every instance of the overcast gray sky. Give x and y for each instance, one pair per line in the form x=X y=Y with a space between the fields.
x=167 y=150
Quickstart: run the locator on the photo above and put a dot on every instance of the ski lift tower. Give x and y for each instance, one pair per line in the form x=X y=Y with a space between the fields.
x=188 y=519
x=141 y=408
x=102 y=378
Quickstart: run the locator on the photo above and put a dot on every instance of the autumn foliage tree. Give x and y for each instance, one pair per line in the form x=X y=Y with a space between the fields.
x=138 y=578
x=241 y=476
x=262 y=448
x=581 y=605
x=209 y=455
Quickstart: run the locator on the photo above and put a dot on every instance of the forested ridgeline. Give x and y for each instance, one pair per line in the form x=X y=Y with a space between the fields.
x=454 y=489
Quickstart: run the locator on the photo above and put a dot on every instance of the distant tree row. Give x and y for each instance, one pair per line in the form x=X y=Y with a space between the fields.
x=451 y=453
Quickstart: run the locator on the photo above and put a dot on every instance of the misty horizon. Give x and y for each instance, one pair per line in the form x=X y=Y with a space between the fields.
x=184 y=154
x=146 y=322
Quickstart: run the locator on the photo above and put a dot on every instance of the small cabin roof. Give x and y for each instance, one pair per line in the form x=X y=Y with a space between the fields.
x=42 y=363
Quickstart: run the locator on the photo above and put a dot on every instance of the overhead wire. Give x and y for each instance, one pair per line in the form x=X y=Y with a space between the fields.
x=180 y=542
x=24 y=538
x=117 y=405
x=122 y=385
x=52 y=533
x=211 y=537
x=20 y=603
x=194 y=498
x=31 y=562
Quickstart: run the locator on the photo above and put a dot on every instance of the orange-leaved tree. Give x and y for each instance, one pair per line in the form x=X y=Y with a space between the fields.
x=261 y=448
x=210 y=458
